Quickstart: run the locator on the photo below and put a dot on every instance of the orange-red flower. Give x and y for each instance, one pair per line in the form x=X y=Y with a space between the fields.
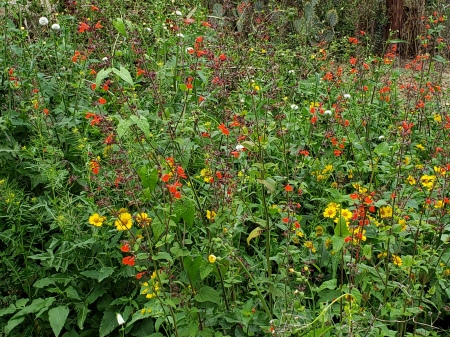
x=128 y=260
x=288 y=188
x=224 y=129
x=101 y=100
x=125 y=248
x=83 y=27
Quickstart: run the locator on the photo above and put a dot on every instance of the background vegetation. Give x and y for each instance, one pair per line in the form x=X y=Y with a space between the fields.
x=224 y=169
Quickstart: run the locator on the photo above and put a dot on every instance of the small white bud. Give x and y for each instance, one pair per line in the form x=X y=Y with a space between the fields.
x=105 y=59
x=347 y=96
x=381 y=137
x=294 y=107
x=180 y=35
x=291 y=72
x=178 y=13
x=328 y=112
x=55 y=26
x=239 y=147
x=43 y=21
x=120 y=319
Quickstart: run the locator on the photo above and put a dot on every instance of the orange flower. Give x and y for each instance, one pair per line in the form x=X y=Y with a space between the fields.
x=224 y=129
x=83 y=27
x=98 y=25
x=45 y=111
x=95 y=167
x=101 y=100
x=128 y=260
x=95 y=8
x=288 y=188
x=125 y=248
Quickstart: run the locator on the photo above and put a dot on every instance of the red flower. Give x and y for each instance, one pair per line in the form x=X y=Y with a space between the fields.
x=125 y=248
x=222 y=57
x=110 y=139
x=165 y=178
x=128 y=260
x=354 y=196
x=46 y=112
x=180 y=172
x=139 y=275
x=98 y=25
x=288 y=188
x=353 y=40
x=95 y=8
x=224 y=129
x=83 y=27
x=285 y=220
x=95 y=167
x=337 y=153
x=303 y=152
x=101 y=100
x=206 y=24
x=348 y=239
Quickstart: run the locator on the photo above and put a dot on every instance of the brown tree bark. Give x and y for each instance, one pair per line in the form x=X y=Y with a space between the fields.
x=394 y=10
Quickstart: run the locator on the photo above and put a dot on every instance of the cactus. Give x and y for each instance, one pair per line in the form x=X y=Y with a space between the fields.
x=311 y=28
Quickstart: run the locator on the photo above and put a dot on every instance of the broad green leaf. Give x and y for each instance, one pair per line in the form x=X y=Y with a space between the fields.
x=124 y=74
x=185 y=209
x=341 y=227
x=101 y=75
x=82 y=315
x=367 y=251
x=207 y=294
x=142 y=124
x=108 y=324
x=12 y=323
x=149 y=177
x=123 y=126
x=163 y=256
x=99 y=275
x=72 y=293
x=382 y=149
x=57 y=318
x=192 y=267
x=440 y=59
x=9 y=310
x=206 y=270
x=269 y=183
x=120 y=26
x=254 y=234
x=37 y=305
x=43 y=282
x=330 y=284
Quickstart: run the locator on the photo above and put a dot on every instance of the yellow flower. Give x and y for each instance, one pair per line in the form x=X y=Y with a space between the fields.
x=440 y=170
x=313 y=105
x=299 y=234
x=328 y=168
x=210 y=215
x=386 y=212
x=410 y=180
x=420 y=147
x=437 y=118
x=328 y=243
x=96 y=220
x=310 y=246
x=382 y=255
x=206 y=174
x=123 y=222
x=402 y=222
x=350 y=174
x=143 y=219
x=346 y=214
x=427 y=181
x=396 y=260
x=212 y=258
x=406 y=160
x=439 y=204
x=319 y=231
x=329 y=212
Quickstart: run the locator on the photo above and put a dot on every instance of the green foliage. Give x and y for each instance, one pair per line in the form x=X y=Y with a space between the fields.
x=169 y=170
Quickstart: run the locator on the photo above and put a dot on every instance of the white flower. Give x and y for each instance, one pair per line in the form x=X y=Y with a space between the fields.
x=381 y=137
x=148 y=29
x=55 y=26
x=292 y=72
x=328 y=112
x=294 y=107
x=43 y=21
x=189 y=50
x=239 y=147
x=347 y=96
x=178 y=13
x=120 y=319
x=180 y=35
x=105 y=59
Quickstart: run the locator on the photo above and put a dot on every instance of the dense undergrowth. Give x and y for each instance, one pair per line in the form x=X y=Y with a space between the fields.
x=217 y=170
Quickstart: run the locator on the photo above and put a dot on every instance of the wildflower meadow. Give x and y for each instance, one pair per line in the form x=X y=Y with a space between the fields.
x=224 y=168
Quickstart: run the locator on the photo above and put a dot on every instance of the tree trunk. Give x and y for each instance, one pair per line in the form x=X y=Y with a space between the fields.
x=395 y=13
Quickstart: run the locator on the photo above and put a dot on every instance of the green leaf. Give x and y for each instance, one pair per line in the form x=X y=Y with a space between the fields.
x=440 y=59
x=396 y=41
x=142 y=123
x=185 y=209
x=207 y=294
x=330 y=284
x=12 y=323
x=206 y=270
x=269 y=183
x=382 y=149
x=72 y=293
x=123 y=126
x=124 y=74
x=367 y=252
x=341 y=228
x=163 y=256
x=38 y=304
x=9 y=310
x=149 y=177
x=192 y=267
x=43 y=283
x=101 y=75
x=120 y=26
x=254 y=234
x=99 y=275
x=57 y=318
x=108 y=324
x=82 y=315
